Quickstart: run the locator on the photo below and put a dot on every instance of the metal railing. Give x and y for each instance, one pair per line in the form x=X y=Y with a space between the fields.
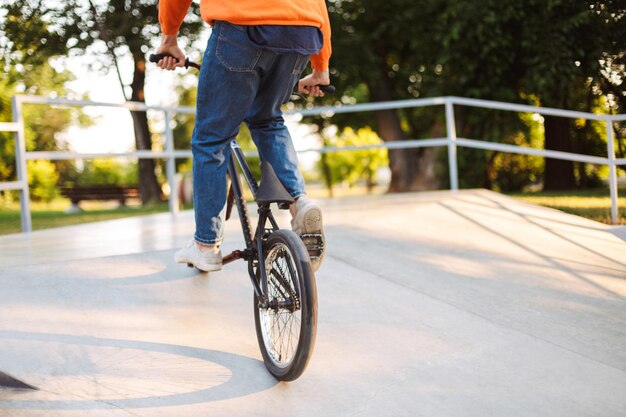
x=451 y=140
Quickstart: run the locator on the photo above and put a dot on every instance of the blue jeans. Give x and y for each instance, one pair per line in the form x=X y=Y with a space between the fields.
x=240 y=82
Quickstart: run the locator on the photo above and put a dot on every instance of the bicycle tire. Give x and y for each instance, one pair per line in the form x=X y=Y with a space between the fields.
x=276 y=327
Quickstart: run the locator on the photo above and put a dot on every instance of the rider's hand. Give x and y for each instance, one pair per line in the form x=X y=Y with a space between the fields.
x=309 y=84
x=169 y=45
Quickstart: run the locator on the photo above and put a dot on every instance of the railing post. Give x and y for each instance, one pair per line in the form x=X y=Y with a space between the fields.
x=171 y=164
x=451 y=133
x=20 y=162
x=612 y=169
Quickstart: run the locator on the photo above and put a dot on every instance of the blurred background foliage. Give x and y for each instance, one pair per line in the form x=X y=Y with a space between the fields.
x=32 y=32
x=559 y=53
x=105 y=171
x=352 y=166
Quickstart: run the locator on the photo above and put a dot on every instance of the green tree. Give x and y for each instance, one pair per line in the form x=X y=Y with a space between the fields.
x=7 y=141
x=377 y=49
x=106 y=29
x=555 y=52
x=611 y=84
x=42 y=125
x=42 y=180
x=106 y=171
x=562 y=46
x=353 y=166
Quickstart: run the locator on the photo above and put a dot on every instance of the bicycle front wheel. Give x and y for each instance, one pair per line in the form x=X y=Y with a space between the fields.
x=286 y=323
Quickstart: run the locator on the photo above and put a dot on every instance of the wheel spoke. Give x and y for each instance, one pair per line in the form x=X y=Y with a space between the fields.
x=281 y=326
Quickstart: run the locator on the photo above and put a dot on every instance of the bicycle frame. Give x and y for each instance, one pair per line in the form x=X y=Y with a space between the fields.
x=254 y=243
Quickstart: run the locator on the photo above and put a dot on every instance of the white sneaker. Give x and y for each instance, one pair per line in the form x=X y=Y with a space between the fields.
x=207 y=259
x=307 y=223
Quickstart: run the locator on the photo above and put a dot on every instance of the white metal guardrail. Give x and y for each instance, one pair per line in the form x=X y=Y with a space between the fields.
x=451 y=140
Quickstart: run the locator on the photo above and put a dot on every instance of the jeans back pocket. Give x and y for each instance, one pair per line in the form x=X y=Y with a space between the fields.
x=234 y=49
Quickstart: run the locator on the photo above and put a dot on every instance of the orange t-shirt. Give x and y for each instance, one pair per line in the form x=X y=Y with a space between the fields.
x=254 y=12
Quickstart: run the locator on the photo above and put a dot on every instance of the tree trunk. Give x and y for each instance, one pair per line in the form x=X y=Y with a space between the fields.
x=412 y=169
x=328 y=176
x=582 y=144
x=402 y=162
x=149 y=188
x=489 y=171
x=558 y=174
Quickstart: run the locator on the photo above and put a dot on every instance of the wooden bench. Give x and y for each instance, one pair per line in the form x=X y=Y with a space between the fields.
x=77 y=194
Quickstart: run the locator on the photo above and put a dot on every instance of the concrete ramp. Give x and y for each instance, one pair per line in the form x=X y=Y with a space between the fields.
x=430 y=304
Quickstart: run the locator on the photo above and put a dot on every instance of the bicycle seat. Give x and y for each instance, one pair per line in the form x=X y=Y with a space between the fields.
x=270 y=189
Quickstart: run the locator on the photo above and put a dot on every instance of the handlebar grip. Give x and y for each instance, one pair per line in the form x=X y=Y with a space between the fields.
x=157 y=57
x=327 y=89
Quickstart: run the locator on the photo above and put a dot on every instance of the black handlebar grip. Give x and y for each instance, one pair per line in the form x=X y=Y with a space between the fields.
x=327 y=89
x=157 y=57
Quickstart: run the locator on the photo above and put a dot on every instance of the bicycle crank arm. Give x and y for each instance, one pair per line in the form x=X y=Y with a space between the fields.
x=234 y=255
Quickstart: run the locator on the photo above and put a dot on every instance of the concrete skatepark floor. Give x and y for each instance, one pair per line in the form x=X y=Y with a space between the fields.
x=430 y=304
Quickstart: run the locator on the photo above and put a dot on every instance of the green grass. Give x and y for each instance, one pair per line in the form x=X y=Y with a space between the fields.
x=594 y=204
x=45 y=216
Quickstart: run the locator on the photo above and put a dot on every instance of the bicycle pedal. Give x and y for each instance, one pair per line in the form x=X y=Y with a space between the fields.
x=314 y=243
x=311 y=236
x=313 y=240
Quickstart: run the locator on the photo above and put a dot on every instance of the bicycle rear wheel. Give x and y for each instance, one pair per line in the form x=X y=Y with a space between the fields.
x=287 y=324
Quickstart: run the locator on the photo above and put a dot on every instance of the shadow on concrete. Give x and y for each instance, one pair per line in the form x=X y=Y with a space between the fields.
x=247 y=376
x=619 y=231
x=488 y=196
x=530 y=220
x=109 y=282
x=559 y=265
x=530 y=294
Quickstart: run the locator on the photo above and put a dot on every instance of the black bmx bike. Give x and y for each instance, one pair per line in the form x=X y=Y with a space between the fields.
x=279 y=267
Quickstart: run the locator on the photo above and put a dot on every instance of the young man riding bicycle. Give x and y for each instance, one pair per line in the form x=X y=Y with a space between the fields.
x=255 y=55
